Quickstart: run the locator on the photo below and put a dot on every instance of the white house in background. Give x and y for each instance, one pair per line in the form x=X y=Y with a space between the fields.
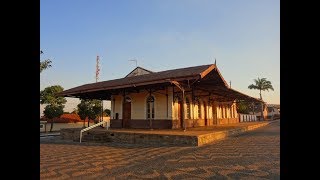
x=273 y=111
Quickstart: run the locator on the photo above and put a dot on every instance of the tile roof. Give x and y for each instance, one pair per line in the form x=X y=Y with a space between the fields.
x=152 y=78
x=214 y=83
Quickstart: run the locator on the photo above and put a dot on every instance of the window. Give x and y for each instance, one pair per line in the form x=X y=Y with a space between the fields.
x=188 y=109
x=150 y=107
x=199 y=109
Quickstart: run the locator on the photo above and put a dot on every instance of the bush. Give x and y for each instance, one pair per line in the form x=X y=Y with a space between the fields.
x=65 y=118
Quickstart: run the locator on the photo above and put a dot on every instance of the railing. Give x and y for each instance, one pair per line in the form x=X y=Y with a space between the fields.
x=247 y=117
x=93 y=126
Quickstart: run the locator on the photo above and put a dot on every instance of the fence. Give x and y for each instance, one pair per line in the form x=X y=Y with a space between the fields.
x=247 y=117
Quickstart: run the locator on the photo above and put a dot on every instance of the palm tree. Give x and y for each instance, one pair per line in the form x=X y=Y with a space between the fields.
x=262 y=85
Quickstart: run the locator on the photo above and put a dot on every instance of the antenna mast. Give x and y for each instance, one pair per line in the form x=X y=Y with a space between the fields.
x=97 y=69
x=134 y=61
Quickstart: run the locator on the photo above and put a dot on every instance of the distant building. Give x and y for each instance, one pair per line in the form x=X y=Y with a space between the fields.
x=273 y=111
x=178 y=98
x=257 y=110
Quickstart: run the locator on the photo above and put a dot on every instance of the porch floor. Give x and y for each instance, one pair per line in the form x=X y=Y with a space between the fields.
x=191 y=137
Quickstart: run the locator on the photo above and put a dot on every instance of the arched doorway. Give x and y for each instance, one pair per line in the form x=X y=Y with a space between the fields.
x=126 y=116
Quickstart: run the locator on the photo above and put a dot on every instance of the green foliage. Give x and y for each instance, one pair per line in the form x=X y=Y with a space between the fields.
x=107 y=112
x=55 y=104
x=44 y=64
x=243 y=107
x=89 y=108
x=48 y=96
x=53 y=111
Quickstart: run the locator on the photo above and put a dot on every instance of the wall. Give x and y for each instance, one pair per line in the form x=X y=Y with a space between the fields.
x=162 y=114
x=116 y=106
x=217 y=112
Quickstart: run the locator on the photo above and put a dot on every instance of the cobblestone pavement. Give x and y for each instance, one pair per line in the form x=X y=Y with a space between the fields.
x=252 y=155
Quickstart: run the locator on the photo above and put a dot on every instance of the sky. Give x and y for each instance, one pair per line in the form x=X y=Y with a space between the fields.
x=242 y=36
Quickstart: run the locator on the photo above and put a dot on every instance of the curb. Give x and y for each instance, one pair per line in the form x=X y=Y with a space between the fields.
x=212 y=137
x=46 y=135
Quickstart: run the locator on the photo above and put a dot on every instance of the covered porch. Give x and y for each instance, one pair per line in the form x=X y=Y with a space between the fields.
x=186 y=97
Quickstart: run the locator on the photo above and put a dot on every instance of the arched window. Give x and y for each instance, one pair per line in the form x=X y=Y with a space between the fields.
x=188 y=116
x=199 y=109
x=150 y=107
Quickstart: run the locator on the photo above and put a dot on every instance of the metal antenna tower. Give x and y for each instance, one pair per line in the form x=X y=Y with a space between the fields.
x=97 y=69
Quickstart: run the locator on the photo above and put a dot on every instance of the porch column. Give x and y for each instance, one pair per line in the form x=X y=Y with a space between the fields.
x=176 y=83
x=231 y=110
x=150 y=119
x=182 y=114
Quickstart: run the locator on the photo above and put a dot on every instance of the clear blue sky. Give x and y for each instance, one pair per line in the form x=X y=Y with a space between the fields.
x=244 y=37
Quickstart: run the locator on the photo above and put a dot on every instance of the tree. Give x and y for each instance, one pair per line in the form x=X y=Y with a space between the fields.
x=55 y=105
x=45 y=64
x=90 y=109
x=262 y=85
x=51 y=112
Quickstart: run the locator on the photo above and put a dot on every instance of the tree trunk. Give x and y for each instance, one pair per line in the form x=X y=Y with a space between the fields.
x=51 y=125
x=262 y=118
x=260 y=94
x=88 y=122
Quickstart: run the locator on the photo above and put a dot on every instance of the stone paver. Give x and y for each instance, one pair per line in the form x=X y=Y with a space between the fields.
x=252 y=155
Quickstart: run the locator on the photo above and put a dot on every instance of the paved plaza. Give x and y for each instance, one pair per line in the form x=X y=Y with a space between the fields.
x=251 y=155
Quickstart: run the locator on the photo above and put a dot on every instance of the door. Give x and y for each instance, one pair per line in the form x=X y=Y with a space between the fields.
x=126 y=114
x=205 y=114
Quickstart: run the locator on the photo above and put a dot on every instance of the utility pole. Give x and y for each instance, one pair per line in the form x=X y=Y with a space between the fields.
x=97 y=78
x=230 y=84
